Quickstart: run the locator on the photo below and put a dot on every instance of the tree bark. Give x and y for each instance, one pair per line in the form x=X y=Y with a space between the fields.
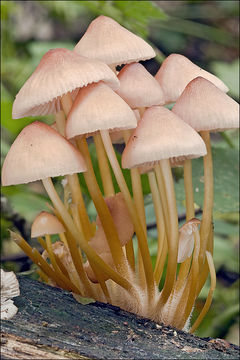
x=50 y=324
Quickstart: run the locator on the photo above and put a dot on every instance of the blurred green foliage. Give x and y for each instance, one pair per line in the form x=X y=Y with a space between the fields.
x=204 y=31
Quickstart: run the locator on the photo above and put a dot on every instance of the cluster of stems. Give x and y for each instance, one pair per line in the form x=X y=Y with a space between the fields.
x=130 y=281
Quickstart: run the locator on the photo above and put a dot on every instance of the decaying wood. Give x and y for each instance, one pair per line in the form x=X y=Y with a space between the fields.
x=50 y=324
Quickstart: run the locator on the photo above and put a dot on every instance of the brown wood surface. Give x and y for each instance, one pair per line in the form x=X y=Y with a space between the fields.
x=50 y=324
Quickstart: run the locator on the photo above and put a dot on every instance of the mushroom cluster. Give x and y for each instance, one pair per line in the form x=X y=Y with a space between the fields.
x=90 y=99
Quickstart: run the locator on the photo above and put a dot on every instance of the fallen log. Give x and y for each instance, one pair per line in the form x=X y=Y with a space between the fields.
x=50 y=324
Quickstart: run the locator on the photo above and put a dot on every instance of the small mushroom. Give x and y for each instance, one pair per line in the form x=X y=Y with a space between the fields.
x=177 y=71
x=46 y=223
x=186 y=239
x=108 y=41
x=138 y=87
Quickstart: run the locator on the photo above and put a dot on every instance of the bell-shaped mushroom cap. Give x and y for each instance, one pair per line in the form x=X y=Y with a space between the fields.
x=40 y=152
x=177 y=71
x=160 y=134
x=204 y=107
x=121 y=217
x=60 y=71
x=186 y=239
x=97 y=107
x=46 y=223
x=138 y=87
x=111 y=43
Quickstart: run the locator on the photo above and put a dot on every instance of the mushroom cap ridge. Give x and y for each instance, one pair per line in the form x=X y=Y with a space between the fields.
x=60 y=71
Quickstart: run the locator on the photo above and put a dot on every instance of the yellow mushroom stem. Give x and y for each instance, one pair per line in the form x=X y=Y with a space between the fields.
x=103 y=211
x=36 y=257
x=210 y=293
x=162 y=250
x=58 y=265
x=130 y=255
x=73 y=181
x=74 y=234
x=84 y=277
x=190 y=214
x=42 y=275
x=185 y=307
x=208 y=197
x=139 y=204
x=172 y=233
x=142 y=240
x=104 y=168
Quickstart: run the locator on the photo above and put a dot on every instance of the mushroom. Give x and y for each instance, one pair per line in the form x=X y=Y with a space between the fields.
x=206 y=108
x=186 y=239
x=29 y=160
x=177 y=71
x=128 y=120
x=108 y=41
x=46 y=223
x=45 y=92
x=138 y=87
x=159 y=136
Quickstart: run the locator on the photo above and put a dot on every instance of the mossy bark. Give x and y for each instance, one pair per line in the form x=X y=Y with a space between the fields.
x=50 y=324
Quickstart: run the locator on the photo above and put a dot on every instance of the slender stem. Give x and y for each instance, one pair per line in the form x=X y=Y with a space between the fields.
x=51 y=254
x=43 y=276
x=142 y=240
x=73 y=181
x=60 y=122
x=105 y=172
x=84 y=278
x=205 y=270
x=63 y=239
x=210 y=293
x=130 y=254
x=97 y=273
x=57 y=264
x=103 y=211
x=139 y=204
x=36 y=257
x=73 y=232
x=173 y=231
x=188 y=186
x=163 y=198
x=77 y=199
x=190 y=213
x=129 y=246
x=160 y=263
x=193 y=278
x=160 y=225
x=206 y=223
x=66 y=102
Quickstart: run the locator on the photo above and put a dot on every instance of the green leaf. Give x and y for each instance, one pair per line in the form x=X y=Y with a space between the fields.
x=26 y=203
x=229 y=74
x=225 y=254
x=38 y=49
x=226 y=186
